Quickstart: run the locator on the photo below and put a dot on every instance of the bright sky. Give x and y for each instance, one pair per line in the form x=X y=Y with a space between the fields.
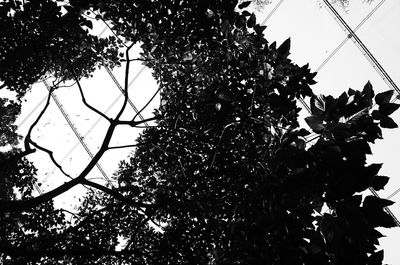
x=314 y=35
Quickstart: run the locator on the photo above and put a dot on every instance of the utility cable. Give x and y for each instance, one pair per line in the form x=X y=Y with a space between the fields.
x=360 y=45
x=123 y=92
x=349 y=36
x=80 y=138
x=271 y=13
x=376 y=66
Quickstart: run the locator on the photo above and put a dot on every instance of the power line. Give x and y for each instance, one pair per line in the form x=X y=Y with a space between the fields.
x=271 y=13
x=348 y=36
x=80 y=138
x=123 y=92
x=379 y=68
x=360 y=45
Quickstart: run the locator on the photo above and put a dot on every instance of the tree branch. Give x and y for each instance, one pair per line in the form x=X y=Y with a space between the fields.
x=50 y=153
x=133 y=123
x=145 y=106
x=26 y=205
x=115 y=194
x=126 y=83
x=84 y=99
x=126 y=146
x=28 y=135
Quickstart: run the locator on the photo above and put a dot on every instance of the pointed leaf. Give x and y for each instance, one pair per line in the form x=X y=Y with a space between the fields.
x=315 y=123
x=246 y=13
x=388 y=108
x=376 y=115
x=251 y=21
x=368 y=92
x=283 y=50
x=383 y=97
x=387 y=122
x=379 y=182
x=244 y=4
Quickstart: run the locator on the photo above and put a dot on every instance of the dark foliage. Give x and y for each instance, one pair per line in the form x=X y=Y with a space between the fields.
x=227 y=176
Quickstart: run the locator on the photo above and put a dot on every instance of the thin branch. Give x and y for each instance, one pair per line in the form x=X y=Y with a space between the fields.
x=26 y=205
x=115 y=194
x=145 y=106
x=126 y=146
x=28 y=135
x=84 y=99
x=133 y=123
x=51 y=155
x=126 y=84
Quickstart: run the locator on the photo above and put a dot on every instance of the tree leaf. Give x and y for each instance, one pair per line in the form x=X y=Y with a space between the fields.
x=368 y=92
x=387 y=122
x=284 y=49
x=376 y=258
x=251 y=21
x=315 y=123
x=379 y=182
x=383 y=97
x=246 y=13
x=376 y=115
x=244 y=4
x=388 y=108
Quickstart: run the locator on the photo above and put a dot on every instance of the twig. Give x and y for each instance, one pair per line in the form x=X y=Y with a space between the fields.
x=126 y=84
x=84 y=99
x=50 y=153
x=28 y=135
x=126 y=146
x=148 y=102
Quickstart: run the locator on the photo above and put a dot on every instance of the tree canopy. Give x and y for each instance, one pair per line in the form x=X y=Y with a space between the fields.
x=226 y=175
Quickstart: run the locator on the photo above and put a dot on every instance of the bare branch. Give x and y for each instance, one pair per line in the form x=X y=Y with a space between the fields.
x=85 y=102
x=28 y=135
x=145 y=106
x=26 y=205
x=126 y=146
x=50 y=153
x=126 y=83
x=133 y=123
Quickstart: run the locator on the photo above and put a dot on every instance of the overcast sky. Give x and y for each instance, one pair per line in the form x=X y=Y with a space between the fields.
x=314 y=35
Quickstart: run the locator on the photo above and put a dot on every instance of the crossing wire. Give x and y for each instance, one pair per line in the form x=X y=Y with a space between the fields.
x=378 y=68
x=360 y=45
x=349 y=36
x=80 y=138
x=123 y=92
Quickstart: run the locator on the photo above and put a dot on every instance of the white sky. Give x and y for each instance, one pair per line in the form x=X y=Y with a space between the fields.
x=314 y=35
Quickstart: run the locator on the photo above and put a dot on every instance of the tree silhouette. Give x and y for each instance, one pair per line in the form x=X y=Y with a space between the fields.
x=227 y=175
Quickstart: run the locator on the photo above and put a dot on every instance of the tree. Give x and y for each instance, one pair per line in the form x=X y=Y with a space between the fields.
x=226 y=176
x=261 y=4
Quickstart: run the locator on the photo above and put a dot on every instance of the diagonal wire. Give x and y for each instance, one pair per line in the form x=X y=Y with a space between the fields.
x=122 y=90
x=271 y=13
x=376 y=66
x=77 y=134
x=349 y=36
x=364 y=50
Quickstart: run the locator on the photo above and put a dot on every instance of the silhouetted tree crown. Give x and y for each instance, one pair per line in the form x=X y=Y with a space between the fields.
x=226 y=175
